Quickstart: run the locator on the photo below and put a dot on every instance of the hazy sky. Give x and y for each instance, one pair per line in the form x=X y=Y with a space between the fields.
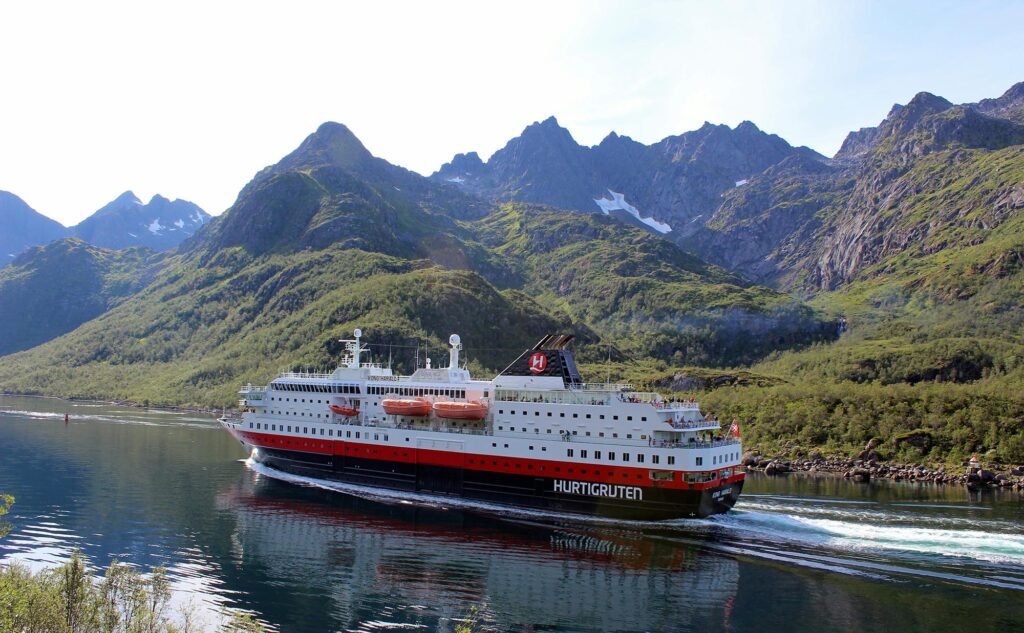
x=190 y=99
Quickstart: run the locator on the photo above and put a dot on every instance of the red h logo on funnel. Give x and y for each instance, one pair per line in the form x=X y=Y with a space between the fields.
x=538 y=363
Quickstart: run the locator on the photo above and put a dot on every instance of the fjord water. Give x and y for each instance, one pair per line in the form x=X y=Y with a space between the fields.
x=797 y=554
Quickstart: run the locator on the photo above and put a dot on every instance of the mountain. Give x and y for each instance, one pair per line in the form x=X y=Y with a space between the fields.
x=23 y=227
x=160 y=224
x=665 y=187
x=332 y=238
x=931 y=177
x=50 y=290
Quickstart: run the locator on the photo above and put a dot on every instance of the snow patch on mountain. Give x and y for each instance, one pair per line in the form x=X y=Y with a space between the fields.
x=179 y=223
x=618 y=203
x=155 y=227
x=457 y=180
x=740 y=183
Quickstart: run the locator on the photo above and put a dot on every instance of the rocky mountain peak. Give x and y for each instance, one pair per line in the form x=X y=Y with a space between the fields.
x=1008 y=106
x=331 y=144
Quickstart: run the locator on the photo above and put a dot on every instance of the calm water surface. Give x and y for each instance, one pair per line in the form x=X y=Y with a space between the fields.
x=797 y=553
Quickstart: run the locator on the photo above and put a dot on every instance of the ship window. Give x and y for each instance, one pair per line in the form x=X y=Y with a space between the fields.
x=629 y=418
x=549 y=414
x=506 y=446
x=629 y=436
x=321 y=431
x=486 y=391
x=543 y=448
x=531 y=448
x=348 y=433
x=640 y=458
x=615 y=417
x=583 y=453
x=557 y=469
x=700 y=461
x=494 y=444
x=357 y=435
x=601 y=416
x=575 y=432
x=575 y=415
x=625 y=457
x=512 y=412
x=549 y=430
x=655 y=459
x=588 y=433
x=289 y=429
x=642 y=419
x=643 y=437
x=250 y=425
x=561 y=415
x=601 y=434
x=376 y=437
x=611 y=457
x=524 y=429
x=615 y=434
x=588 y=416
x=537 y=413
x=330 y=432
x=501 y=428
x=597 y=454
x=502 y=411
x=671 y=459
x=568 y=452
x=536 y=430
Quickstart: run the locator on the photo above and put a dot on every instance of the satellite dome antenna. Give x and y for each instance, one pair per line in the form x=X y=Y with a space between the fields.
x=453 y=353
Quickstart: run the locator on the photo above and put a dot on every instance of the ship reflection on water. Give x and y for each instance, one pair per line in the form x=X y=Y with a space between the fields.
x=365 y=564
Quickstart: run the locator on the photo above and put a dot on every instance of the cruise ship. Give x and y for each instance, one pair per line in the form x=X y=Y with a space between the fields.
x=536 y=436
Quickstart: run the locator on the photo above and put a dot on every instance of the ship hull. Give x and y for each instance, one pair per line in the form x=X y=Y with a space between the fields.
x=521 y=491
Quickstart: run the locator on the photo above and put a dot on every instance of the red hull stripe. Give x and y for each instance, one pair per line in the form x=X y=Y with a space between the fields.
x=598 y=473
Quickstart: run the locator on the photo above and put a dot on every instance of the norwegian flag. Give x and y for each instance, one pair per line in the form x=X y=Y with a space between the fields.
x=735 y=429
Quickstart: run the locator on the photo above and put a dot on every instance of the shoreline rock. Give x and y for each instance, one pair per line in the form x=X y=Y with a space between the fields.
x=862 y=470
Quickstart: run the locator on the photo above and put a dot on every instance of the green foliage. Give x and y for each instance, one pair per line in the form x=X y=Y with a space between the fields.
x=69 y=599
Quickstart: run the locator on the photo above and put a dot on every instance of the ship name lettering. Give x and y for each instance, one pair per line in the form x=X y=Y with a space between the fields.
x=614 y=491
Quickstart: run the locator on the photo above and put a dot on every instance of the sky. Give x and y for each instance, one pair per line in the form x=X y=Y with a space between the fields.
x=190 y=99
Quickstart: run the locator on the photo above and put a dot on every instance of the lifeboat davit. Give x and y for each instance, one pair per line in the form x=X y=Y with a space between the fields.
x=461 y=410
x=345 y=411
x=415 y=408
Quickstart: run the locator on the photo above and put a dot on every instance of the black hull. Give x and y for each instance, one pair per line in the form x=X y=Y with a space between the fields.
x=523 y=491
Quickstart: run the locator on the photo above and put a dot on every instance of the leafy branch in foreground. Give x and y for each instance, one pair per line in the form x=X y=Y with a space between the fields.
x=69 y=599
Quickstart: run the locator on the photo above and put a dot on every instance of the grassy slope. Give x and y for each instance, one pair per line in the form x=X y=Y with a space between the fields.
x=53 y=289
x=197 y=333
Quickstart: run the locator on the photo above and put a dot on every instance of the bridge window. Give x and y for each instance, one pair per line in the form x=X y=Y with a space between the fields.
x=671 y=459
x=568 y=452
x=655 y=459
x=625 y=457
x=639 y=458
x=611 y=457
x=583 y=453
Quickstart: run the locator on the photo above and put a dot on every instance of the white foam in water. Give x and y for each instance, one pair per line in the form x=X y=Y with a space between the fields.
x=994 y=547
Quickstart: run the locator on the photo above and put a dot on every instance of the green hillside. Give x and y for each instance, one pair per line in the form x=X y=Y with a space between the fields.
x=52 y=289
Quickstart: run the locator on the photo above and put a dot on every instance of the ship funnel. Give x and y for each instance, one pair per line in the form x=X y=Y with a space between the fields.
x=453 y=353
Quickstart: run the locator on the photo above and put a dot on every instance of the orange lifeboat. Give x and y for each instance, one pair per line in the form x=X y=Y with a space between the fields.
x=345 y=411
x=414 y=408
x=461 y=410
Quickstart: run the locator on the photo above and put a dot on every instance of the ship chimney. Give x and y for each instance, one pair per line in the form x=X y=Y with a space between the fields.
x=453 y=353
